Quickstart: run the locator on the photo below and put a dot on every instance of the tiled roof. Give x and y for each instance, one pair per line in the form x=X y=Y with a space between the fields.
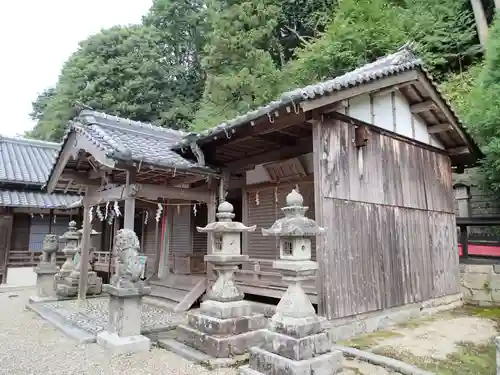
x=35 y=199
x=26 y=161
x=127 y=140
x=401 y=61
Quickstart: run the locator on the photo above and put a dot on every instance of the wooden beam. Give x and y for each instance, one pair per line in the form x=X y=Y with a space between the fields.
x=458 y=151
x=67 y=152
x=279 y=123
x=439 y=128
x=423 y=106
x=129 y=214
x=303 y=146
x=430 y=89
x=79 y=178
x=388 y=90
x=359 y=90
x=85 y=248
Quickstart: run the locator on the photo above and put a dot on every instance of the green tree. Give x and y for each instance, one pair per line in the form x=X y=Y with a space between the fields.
x=241 y=73
x=483 y=117
x=362 y=31
x=126 y=71
x=39 y=105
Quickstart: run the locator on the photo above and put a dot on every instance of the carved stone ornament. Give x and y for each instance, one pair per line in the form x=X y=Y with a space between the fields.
x=129 y=267
x=50 y=246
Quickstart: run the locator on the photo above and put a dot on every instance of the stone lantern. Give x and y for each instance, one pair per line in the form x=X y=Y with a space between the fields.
x=68 y=286
x=294 y=341
x=225 y=325
x=71 y=239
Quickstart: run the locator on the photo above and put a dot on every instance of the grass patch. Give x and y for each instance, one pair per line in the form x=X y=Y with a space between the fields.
x=492 y=313
x=366 y=341
x=470 y=359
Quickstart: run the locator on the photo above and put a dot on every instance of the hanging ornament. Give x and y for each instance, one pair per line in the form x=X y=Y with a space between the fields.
x=158 y=212
x=116 y=208
x=257 y=200
x=297 y=188
x=41 y=216
x=91 y=213
x=107 y=209
x=146 y=217
x=99 y=214
x=178 y=209
x=111 y=217
x=32 y=215
x=55 y=219
x=276 y=194
x=194 y=209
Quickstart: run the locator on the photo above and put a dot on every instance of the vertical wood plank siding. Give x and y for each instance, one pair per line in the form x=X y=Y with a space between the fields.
x=390 y=228
x=199 y=239
x=149 y=244
x=268 y=211
x=181 y=241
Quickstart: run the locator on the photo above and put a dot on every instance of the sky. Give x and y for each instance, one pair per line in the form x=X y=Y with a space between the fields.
x=37 y=37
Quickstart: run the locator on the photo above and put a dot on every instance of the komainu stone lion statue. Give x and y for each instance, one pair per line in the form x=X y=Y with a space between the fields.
x=129 y=267
x=49 y=249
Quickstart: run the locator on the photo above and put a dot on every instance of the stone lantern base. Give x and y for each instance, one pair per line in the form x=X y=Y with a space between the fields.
x=68 y=287
x=222 y=329
x=124 y=327
x=45 y=288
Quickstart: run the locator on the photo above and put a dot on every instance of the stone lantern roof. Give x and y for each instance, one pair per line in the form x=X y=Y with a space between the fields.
x=225 y=223
x=295 y=223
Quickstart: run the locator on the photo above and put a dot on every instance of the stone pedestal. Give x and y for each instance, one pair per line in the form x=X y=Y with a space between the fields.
x=125 y=299
x=294 y=342
x=46 y=270
x=68 y=279
x=124 y=325
x=497 y=344
x=225 y=325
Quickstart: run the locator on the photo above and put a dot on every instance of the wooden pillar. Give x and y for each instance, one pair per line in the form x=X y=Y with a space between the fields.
x=481 y=22
x=128 y=217
x=211 y=210
x=85 y=244
x=165 y=235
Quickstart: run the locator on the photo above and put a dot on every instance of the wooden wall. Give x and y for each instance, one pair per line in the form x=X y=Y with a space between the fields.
x=267 y=211
x=390 y=225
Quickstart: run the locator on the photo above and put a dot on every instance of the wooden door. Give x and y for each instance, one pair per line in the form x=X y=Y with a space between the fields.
x=5 y=234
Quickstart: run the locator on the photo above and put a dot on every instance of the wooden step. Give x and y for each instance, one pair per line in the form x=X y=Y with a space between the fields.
x=168 y=293
x=179 y=282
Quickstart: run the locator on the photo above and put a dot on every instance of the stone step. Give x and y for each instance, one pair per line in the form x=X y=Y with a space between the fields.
x=160 y=302
x=179 y=282
x=174 y=295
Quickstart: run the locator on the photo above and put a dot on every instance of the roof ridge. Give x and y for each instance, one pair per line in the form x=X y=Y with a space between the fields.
x=30 y=142
x=128 y=122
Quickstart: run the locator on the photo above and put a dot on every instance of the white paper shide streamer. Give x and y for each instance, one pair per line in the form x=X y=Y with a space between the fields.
x=159 y=210
x=116 y=208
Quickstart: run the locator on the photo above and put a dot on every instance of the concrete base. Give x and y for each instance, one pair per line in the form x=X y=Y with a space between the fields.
x=218 y=346
x=123 y=345
x=37 y=299
x=45 y=281
x=197 y=356
x=263 y=362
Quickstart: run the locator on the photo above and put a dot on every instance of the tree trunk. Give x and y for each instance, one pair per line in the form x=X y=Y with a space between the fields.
x=497 y=5
x=480 y=17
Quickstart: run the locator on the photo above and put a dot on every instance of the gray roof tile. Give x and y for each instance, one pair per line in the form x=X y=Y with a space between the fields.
x=35 y=199
x=398 y=62
x=124 y=139
x=26 y=161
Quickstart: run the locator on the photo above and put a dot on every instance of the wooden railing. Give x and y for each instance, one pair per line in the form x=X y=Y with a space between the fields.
x=478 y=248
x=102 y=259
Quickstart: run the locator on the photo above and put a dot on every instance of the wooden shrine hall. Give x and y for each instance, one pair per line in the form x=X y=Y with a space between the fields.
x=371 y=151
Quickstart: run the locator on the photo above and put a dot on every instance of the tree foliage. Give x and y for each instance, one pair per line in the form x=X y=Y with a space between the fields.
x=195 y=63
x=483 y=112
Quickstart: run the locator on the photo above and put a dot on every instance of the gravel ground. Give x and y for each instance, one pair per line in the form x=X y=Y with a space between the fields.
x=31 y=346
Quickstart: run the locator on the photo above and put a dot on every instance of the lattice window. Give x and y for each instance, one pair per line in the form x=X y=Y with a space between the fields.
x=217 y=242
x=285 y=170
x=287 y=247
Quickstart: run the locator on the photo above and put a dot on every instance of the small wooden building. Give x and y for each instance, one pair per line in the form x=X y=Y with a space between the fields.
x=371 y=151
x=27 y=213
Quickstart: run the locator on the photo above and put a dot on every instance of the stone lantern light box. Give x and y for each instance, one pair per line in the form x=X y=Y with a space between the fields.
x=295 y=230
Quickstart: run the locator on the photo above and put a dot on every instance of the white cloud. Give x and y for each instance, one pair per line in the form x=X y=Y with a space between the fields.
x=36 y=38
